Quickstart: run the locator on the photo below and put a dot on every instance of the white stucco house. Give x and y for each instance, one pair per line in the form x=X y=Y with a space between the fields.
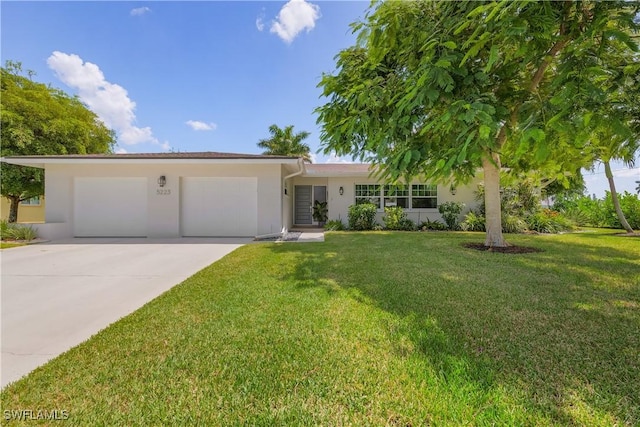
x=212 y=194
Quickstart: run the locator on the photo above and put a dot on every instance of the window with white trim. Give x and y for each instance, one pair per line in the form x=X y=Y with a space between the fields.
x=424 y=196
x=34 y=201
x=396 y=195
x=368 y=193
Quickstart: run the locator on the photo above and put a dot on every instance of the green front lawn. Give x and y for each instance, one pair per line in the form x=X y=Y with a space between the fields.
x=370 y=329
x=7 y=245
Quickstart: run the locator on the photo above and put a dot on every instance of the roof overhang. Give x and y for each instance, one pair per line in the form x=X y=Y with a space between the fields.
x=42 y=161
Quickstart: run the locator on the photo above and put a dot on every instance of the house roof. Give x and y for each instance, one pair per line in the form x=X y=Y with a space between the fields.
x=180 y=157
x=338 y=169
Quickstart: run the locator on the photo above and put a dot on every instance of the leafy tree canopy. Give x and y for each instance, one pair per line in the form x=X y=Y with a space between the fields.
x=37 y=119
x=440 y=89
x=284 y=142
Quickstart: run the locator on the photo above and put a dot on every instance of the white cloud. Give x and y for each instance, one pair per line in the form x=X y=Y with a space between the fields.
x=333 y=158
x=165 y=146
x=109 y=101
x=198 y=125
x=295 y=16
x=139 y=11
x=121 y=150
x=630 y=173
x=260 y=21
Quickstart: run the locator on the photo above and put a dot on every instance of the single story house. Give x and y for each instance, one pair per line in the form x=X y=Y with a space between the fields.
x=212 y=194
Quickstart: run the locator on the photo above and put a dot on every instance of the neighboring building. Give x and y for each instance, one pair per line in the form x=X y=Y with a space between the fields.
x=212 y=194
x=29 y=211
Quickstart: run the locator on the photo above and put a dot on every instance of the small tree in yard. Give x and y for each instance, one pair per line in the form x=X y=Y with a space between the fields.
x=39 y=120
x=440 y=89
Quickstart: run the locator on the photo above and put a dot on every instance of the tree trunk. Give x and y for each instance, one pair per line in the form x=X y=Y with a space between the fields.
x=493 y=213
x=13 y=209
x=614 y=198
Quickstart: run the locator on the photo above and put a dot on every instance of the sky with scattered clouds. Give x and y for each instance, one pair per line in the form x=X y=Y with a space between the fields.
x=195 y=76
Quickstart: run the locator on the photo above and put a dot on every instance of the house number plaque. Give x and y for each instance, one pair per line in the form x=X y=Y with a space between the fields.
x=163 y=192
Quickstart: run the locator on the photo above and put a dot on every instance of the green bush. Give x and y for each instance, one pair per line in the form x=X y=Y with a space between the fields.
x=392 y=217
x=513 y=224
x=473 y=222
x=362 y=216
x=450 y=212
x=432 y=226
x=630 y=205
x=548 y=221
x=17 y=232
x=334 y=225
x=396 y=219
x=585 y=211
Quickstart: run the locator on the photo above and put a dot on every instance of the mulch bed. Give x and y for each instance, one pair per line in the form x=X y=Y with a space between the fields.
x=503 y=250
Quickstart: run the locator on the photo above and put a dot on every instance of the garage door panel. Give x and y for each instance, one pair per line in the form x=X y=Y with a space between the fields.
x=110 y=207
x=219 y=206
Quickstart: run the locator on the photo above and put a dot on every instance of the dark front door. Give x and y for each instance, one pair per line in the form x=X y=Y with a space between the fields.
x=303 y=204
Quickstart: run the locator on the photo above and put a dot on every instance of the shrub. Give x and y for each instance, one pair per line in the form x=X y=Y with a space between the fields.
x=17 y=232
x=450 y=212
x=432 y=225
x=334 y=225
x=394 y=218
x=473 y=222
x=362 y=216
x=548 y=221
x=513 y=224
x=4 y=226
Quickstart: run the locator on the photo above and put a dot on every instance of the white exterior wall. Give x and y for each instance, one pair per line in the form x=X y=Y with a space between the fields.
x=163 y=210
x=339 y=204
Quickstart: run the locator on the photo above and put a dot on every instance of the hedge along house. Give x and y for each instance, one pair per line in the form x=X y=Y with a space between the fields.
x=211 y=194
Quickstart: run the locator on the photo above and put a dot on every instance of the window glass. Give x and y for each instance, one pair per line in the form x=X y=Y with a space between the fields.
x=34 y=201
x=396 y=195
x=424 y=196
x=368 y=193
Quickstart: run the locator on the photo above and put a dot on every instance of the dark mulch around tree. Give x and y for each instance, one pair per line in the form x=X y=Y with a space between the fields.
x=505 y=250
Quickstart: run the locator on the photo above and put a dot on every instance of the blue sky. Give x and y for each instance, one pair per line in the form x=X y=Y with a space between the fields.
x=194 y=76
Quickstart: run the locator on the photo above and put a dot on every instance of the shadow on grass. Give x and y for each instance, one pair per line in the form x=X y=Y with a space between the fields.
x=556 y=334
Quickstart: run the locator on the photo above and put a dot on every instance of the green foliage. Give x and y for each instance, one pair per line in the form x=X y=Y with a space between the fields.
x=432 y=226
x=586 y=211
x=450 y=212
x=473 y=222
x=396 y=219
x=442 y=88
x=548 y=221
x=513 y=223
x=37 y=119
x=362 y=216
x=10 y=231
x=334 y=225
x=284 y=142
x=320 y=211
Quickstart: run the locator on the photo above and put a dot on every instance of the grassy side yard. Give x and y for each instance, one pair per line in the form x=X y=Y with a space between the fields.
x=370 y=329
x=7 y=245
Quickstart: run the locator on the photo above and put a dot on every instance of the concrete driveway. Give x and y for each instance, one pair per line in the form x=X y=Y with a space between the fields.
x=56 y=295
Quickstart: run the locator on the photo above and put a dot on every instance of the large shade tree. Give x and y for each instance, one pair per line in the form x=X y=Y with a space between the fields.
x=284 y=142
x=441 y=89
x=37 y=119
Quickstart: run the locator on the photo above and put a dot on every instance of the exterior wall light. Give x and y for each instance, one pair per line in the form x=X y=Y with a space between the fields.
x=453 y=190
x=162 y=181
x=341 y=191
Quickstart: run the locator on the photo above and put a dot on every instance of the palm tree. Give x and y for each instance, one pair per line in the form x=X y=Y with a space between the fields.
x=283 y=142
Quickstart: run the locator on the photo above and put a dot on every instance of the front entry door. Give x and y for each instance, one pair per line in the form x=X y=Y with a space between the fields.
x=303 y=205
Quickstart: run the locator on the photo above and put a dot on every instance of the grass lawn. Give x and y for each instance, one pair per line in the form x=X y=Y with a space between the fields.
x=7 y=245
x=370 y=329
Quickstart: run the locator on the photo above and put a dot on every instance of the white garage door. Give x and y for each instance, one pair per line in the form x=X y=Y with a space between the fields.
x=219 y=206
x=110 y=207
